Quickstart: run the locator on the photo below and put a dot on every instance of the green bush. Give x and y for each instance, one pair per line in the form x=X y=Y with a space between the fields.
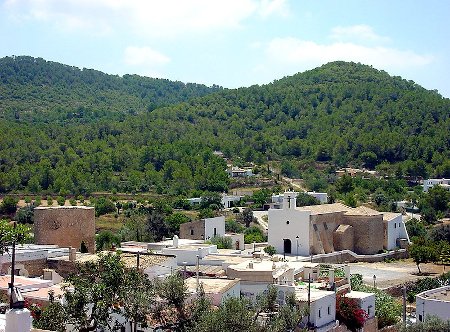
x=222 y=242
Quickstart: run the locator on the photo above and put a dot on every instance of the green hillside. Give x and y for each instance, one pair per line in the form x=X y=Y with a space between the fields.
x=40 y=90
x=336 y=115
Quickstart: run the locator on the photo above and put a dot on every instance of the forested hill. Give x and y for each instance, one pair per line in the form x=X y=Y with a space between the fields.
x=36 y=89
x=338 y=114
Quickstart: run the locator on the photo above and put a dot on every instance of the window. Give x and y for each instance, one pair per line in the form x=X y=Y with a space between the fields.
x=192 y=232
x=215 y=231
x=325 y=226
x=369 y=309
x=320 y=314
x=329 y=310
x=287 y=222
x=420 y=318
x=395 y=225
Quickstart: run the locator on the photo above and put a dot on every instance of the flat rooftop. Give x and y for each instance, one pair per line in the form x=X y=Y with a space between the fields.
x=439 y=294
x=325 y=208
x=211 y=285
x=301 y=294
x=359 y=295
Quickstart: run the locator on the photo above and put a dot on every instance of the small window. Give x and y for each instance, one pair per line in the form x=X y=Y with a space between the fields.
x=395 y=225
x=215 y=231
x=320 y=313
x=329 y=310
x=287 y=222
x=325 y=226
x=369 y=309
x=192 y=232
x=420 y=318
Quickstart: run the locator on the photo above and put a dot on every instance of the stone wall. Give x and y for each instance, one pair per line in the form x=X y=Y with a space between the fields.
x=65 y=226
x=194 y=230
x=34 y=267
x=344 y=238
x=369 y=233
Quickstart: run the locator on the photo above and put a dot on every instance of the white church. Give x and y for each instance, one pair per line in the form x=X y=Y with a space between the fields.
x=325 y=228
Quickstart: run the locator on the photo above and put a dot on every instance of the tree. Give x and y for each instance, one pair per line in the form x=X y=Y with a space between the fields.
x=137 y=295
x=233 y=226
x=345 y=184
x=174 y=222
x=254 y=234
x=270 y=250
x=105 y=240
x=422 y=253
x=156 y=226
x=94 y=294
x=173 y=292
x=303 y=199
x=9 y=233
x=9 y=205
x=104 y=206
x=52 y=317
x=247 y=217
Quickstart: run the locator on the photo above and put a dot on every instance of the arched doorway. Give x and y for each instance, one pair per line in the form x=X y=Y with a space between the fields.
x=287 y=246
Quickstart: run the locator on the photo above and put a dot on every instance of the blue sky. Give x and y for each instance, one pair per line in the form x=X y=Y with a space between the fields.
x=233 y=43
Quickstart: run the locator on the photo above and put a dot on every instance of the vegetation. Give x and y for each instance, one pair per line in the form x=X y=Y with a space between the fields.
x=431 y=324
x=349 y=313
x=83 y=131
x=222 y=242
x=387 y=309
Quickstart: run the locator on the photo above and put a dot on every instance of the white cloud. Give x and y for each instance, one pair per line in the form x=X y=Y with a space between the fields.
x=271 y=7
x=357 y=33
x=138 y=56
x=295 y=51
x=288 y=55
x=147 y=17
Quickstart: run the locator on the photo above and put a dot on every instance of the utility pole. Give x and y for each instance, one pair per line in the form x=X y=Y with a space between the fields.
x=13 y=266
x=404 y=304
x=309 y=300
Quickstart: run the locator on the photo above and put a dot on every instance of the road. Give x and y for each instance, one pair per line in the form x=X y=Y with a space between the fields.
x=259 y=216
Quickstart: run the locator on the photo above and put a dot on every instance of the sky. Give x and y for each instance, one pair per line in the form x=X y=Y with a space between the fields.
x=233 y=43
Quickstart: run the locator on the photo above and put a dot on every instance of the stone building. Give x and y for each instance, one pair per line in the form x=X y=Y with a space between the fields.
x=65 y=226
x=203 y=229
x=325 y=228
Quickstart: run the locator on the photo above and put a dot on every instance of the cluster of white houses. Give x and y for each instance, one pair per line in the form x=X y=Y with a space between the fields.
x=297 y=233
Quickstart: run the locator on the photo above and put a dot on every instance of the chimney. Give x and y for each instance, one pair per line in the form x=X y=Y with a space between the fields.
x=72 y=254
x=48 y=274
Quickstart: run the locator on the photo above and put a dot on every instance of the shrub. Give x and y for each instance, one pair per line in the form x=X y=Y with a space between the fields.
x=270 y=250
x=221 y=242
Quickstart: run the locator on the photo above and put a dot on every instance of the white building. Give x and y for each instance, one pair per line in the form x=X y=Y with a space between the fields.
x=204 y=229
x=236 y=172
x=289 y=227
x=216 y=289
x=229 y=200
x=326 y=228
x=434 y=302
x=321 y=197
x=394 y=229
x=366 y=301
x=429 y=183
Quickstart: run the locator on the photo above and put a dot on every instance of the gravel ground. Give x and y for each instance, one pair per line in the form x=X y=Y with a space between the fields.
x=394 y=273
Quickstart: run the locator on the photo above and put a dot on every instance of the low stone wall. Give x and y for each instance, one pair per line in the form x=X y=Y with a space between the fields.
x=349 y=256
x=34 y=267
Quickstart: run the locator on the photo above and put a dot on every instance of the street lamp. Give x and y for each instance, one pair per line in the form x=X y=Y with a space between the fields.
x=297 y=246
x=374 y=281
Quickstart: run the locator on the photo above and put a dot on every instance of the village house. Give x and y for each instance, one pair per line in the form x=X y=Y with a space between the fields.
x=429 y=183
x=326 y=228
x=216 y=289
x=434 y=302
x=203 y=229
